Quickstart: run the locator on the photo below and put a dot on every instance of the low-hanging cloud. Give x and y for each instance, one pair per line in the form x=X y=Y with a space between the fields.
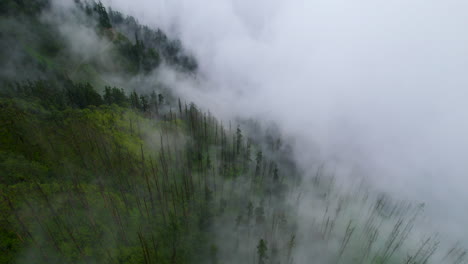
x=375 y=85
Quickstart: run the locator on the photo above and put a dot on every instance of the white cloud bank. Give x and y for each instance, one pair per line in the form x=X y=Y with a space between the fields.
x=379 y=85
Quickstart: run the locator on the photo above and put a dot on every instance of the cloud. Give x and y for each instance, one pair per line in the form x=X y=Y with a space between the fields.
x=375 y=85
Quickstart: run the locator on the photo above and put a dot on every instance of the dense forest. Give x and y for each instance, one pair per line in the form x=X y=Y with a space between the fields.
x=95 y=172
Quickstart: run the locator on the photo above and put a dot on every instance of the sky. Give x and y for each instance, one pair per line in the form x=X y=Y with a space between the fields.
x=378 y=87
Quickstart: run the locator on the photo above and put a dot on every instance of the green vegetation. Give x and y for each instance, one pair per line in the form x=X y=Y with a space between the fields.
x=91 y=172
x=90 y=176
x=87 y=180
x=109 y=176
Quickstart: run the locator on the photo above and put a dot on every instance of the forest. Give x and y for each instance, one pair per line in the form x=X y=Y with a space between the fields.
x=94 y=170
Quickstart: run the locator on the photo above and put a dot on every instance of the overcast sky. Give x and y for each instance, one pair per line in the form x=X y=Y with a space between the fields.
x=380 y=85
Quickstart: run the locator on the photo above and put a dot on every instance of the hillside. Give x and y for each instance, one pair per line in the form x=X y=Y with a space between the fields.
x=97 y=169
x=111 y=176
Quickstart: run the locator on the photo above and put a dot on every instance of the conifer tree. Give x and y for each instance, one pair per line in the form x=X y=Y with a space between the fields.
x=135 y=100
x=144 y=103
x=103 y=17
x=262 y=251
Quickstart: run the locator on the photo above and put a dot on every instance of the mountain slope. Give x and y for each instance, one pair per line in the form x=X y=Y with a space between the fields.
x=97 y=168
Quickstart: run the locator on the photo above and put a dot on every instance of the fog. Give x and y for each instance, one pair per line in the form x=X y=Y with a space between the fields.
x=377 y=87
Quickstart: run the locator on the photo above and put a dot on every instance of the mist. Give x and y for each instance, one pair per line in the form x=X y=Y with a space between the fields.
x=280 y=132
x=378 y=88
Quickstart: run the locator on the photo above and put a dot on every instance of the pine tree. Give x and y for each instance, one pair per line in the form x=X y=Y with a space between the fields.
x=135 y=101
x=108 y=95
x=290 y=246
x=262 y=251
x=144 y=103
x=275 y=174
x=153 y=102
x=259 y=160
x=249 y=211
x=160 y=99
x=238 y=140
x=103 y=17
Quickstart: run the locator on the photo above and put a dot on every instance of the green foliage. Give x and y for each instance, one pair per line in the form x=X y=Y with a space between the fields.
x=82 y=95
x=15 y=7
x=80 y=169
x=262 y=251
x=142 y=58
x=103 y=18
x=119 y=178
x=115 y=96
x=150 y=46
x=17 y=168
x=59 y=95
x=10 y=243
x=144 y=178
x=76 y=173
